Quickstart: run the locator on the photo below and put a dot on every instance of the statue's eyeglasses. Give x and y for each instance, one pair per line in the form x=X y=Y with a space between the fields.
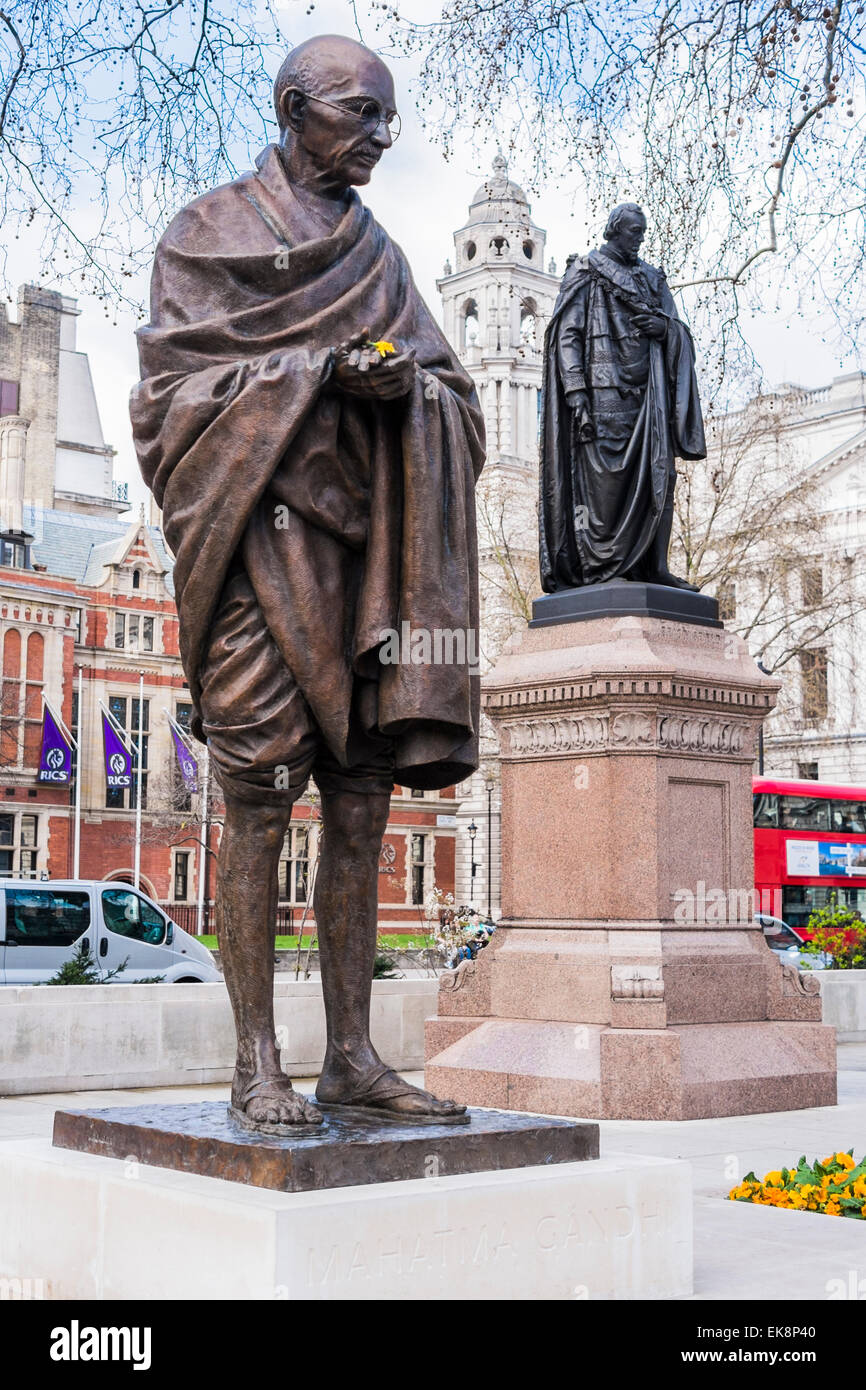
x=369 y=113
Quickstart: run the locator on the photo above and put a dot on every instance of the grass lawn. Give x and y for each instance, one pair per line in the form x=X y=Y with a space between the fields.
x=290 y=943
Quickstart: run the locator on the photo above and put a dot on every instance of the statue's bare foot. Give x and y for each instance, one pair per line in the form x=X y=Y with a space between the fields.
x=380 y=1090
x=264 y=1102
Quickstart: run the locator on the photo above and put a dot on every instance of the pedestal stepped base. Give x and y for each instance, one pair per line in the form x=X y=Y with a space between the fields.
x=628 y=979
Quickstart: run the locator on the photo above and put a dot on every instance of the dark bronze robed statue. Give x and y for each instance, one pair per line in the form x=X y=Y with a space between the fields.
x=620 y=404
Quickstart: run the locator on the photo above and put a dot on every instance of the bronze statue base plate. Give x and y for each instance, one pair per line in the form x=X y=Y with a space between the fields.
x=348 y=1151
x=620 y=598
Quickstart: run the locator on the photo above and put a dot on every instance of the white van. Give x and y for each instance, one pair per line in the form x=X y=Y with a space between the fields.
x=41 y=924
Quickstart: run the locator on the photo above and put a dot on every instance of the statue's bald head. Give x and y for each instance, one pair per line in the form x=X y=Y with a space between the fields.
x=329 y=64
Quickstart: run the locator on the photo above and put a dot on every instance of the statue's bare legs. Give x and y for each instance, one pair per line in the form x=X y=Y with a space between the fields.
x=346 y=903
x=247 y=889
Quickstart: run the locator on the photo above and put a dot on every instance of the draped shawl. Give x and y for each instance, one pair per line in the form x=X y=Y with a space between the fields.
x=350 y=517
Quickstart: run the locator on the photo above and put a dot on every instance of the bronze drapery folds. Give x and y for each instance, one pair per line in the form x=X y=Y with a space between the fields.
x=349 y=517
x=606 y=492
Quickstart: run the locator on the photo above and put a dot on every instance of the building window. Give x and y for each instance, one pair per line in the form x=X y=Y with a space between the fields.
x=808 y=771
x=133 y=631
x=8 y=397
x=181 y=875
x=813 y=685
x=33 y=682
x=7 y=842
x=11 y=700
x=125 y=713
x=419 y=868
x=15 y=554
x=813 y=586
x=528 y=323
x=296 y=875
x=145 y=739
x=21 y=699
x=181 y=795
x=136 y=579
x=18 y=845
x=471 y=327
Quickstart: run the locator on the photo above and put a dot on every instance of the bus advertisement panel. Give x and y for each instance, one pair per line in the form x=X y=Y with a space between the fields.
x=810 y=844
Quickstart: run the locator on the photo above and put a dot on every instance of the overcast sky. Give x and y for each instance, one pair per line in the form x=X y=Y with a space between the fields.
x=420 y=199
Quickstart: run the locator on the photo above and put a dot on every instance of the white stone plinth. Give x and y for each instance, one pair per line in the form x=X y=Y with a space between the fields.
x=843 y=995
x=618 y=1227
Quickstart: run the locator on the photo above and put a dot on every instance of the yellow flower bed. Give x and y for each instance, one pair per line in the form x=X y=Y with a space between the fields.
x=836 y=1186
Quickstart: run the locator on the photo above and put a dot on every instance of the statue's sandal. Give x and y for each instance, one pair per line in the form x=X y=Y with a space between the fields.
x=271 y=1090
x=371 y=1100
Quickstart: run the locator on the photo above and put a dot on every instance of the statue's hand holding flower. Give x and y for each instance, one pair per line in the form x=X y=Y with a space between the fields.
x=375 y=368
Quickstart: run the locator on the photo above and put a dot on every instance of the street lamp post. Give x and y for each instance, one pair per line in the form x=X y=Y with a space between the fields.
x=204 y=847
x=472 y=831
x=138 y=768
x=490 y=850
x=76 y=852
x=761 y=667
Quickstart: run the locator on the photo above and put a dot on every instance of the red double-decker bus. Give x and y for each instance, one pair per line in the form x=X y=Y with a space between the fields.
x=810 y=842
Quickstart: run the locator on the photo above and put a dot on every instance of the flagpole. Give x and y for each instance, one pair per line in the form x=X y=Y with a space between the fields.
x=137 y=873
x=76 y=853
x=202 y=863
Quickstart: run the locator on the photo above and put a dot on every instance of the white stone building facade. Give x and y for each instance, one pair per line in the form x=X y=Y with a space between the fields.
x=817 y=616
x=52 y=451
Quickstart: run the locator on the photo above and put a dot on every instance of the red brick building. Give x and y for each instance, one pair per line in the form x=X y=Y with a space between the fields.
x=82 y=590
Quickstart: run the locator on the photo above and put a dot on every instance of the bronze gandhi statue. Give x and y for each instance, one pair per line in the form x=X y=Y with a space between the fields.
x=314 y=445
x=620 y=404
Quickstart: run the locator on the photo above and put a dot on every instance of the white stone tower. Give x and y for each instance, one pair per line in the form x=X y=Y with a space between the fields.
x=497 y=300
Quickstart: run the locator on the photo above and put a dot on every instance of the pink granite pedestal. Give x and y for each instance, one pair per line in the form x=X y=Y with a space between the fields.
x=628 y=979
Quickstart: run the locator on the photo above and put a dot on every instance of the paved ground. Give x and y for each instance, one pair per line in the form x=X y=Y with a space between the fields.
x=741 y=1252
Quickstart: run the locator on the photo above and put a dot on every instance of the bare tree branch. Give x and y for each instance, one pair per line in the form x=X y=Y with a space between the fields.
x=737 y=124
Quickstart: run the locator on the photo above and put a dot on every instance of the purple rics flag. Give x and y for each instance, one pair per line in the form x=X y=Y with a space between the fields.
x=186 y=762
x=118 y=759
x=55 y=760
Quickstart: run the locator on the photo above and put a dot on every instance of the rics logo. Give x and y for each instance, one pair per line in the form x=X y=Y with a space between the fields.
x=117 y=763
x=55 y=759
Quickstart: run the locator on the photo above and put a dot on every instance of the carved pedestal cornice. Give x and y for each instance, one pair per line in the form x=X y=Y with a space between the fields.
x=544 y=733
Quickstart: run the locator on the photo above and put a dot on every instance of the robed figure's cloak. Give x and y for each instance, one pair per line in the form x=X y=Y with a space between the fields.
x=601 y=501
x=350 y=517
